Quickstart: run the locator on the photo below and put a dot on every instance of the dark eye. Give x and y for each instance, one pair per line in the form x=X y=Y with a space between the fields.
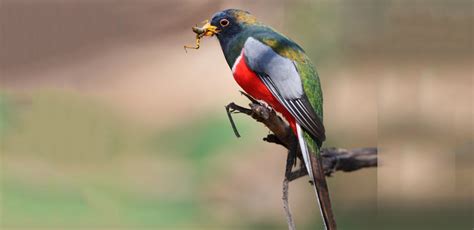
x=224 y=22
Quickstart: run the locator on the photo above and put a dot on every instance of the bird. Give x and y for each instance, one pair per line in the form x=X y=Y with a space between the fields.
x=274 y=69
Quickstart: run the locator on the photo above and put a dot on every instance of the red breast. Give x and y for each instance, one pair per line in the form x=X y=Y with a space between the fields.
x=251 y=84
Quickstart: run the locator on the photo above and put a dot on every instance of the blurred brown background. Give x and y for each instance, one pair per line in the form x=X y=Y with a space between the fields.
x=105 y=121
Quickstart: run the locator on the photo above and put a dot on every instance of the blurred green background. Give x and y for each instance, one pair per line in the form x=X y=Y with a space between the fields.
x=106 y=123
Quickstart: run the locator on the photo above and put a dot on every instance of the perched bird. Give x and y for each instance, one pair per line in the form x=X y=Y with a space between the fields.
x=271 y=67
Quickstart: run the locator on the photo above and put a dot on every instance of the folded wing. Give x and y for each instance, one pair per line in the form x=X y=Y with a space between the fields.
x=281 y=77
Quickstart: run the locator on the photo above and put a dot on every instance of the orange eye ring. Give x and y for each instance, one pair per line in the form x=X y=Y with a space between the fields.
x=224 y=22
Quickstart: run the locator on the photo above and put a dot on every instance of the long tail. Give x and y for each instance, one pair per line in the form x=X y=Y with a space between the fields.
x=316 y=173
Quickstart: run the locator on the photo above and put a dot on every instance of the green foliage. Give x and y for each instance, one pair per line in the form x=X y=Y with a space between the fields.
x=52 y=206
x=65 y=128
x=5 y=114
x=201 y=138
x=64 y=160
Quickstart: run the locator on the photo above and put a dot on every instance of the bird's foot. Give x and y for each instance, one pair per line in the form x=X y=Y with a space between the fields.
x=262 y=110
x=266 y=105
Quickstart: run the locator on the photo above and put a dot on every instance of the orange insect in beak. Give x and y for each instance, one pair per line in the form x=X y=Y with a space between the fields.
x=206 y=30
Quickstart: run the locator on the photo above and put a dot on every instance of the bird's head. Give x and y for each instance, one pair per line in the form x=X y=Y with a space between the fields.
x=226 y=24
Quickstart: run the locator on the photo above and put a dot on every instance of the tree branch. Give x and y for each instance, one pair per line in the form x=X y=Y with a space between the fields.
x=286 y=206
x=333 y=159
x=338 y=159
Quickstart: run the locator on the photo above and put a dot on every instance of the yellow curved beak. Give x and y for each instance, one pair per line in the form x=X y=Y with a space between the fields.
x=206 y=30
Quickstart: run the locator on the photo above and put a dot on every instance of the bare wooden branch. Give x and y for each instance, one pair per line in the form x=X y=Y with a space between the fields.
x=338 y=159
x=333 y=159
x=286 y=205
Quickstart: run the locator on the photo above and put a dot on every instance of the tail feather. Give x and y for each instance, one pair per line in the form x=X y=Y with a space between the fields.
x=316 y=173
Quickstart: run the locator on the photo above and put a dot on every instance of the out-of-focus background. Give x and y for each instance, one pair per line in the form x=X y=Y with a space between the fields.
x=105 y=121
